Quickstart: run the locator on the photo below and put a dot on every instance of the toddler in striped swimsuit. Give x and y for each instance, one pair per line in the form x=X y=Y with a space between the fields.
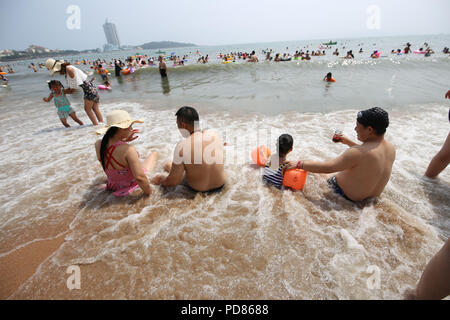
x=275 y=167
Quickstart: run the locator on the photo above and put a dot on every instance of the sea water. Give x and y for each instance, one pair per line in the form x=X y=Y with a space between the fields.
x=249 y=241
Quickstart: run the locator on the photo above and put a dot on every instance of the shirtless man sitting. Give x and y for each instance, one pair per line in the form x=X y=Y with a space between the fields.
x=199 y=156
x=364 y=170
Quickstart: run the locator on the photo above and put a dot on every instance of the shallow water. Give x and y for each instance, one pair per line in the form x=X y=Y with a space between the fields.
x=250 y=241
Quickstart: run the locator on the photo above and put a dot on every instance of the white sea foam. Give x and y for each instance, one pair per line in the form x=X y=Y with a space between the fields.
x=249 y=241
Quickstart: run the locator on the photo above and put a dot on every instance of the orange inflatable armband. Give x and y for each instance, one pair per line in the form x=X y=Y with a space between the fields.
x=295 y=179
x=260 y=155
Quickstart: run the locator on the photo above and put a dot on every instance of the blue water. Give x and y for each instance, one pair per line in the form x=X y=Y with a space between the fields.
x=392 y=81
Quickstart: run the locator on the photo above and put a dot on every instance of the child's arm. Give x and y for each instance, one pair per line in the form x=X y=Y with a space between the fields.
x=93 y=78
x=50 y=97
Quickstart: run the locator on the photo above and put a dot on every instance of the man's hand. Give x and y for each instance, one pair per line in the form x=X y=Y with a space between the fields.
x=290 y=165
x=447 y=95
x=157 y=180
x=45 y=99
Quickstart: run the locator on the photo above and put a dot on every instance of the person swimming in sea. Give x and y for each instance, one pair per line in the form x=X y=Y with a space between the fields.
x=4 y=80
x=329 y=78
x=162 y=67
x=349 y=55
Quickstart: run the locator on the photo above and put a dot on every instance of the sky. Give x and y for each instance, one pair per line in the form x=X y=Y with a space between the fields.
x=213 y=22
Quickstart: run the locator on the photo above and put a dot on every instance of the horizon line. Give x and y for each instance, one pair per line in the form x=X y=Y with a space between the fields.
x=246 y=43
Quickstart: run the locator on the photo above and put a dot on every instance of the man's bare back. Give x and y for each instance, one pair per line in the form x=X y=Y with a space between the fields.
x=370 y=175
x=198 y=157
x=363 y=170
x=204 y=167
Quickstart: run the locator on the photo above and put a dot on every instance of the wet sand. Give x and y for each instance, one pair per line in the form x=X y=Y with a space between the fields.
x=21 y=264
x=248 y=242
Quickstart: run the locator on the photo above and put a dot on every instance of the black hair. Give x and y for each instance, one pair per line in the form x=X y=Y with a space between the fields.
x=329 y=75
x=63 y=67
x=110 y=133
x=376 y=118
x=54 y=82
x=187 y=115
x=285 y=143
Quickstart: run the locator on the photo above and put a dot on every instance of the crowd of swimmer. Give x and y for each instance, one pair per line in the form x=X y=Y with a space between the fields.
x=133 y=63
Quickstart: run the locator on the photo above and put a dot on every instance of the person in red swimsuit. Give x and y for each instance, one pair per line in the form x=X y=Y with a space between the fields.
x=119 y=160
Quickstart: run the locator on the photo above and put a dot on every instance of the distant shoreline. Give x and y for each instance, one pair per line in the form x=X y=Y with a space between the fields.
x=24 y=55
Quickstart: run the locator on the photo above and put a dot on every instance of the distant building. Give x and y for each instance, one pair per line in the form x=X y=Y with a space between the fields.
x=111 y=36
x=36 y=49
x=6 y=52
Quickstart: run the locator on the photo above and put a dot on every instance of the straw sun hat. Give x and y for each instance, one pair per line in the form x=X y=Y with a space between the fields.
x=118 y=118
x=53 y=65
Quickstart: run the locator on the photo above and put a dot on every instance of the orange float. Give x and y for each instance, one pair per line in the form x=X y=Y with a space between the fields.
x=3 y=73
x=295 y=179
x=331 y=80
x=260 y=155
x=125 y=71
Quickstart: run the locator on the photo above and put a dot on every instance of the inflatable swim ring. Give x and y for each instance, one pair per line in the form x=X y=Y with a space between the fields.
x=295 y=179
x=260 y=155
x=125 y=71
x=103 y=87
x=419 y=52
x=331 y=80
x=2 y=73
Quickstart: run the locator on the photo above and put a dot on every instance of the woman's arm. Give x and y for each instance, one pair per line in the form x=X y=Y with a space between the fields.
x=131 y=156
x=98 y=144
x=70 y=72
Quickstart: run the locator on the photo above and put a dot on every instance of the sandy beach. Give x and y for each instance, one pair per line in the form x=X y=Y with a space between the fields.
x=19 y=265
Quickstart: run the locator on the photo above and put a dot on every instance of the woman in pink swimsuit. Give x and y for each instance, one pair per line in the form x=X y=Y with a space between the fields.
x=119 y=160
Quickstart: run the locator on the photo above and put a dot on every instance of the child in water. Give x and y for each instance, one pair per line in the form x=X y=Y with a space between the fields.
x=4 y=80
x=329 y=78
x=107 y=84
x=61 y=102
x=275 y=167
